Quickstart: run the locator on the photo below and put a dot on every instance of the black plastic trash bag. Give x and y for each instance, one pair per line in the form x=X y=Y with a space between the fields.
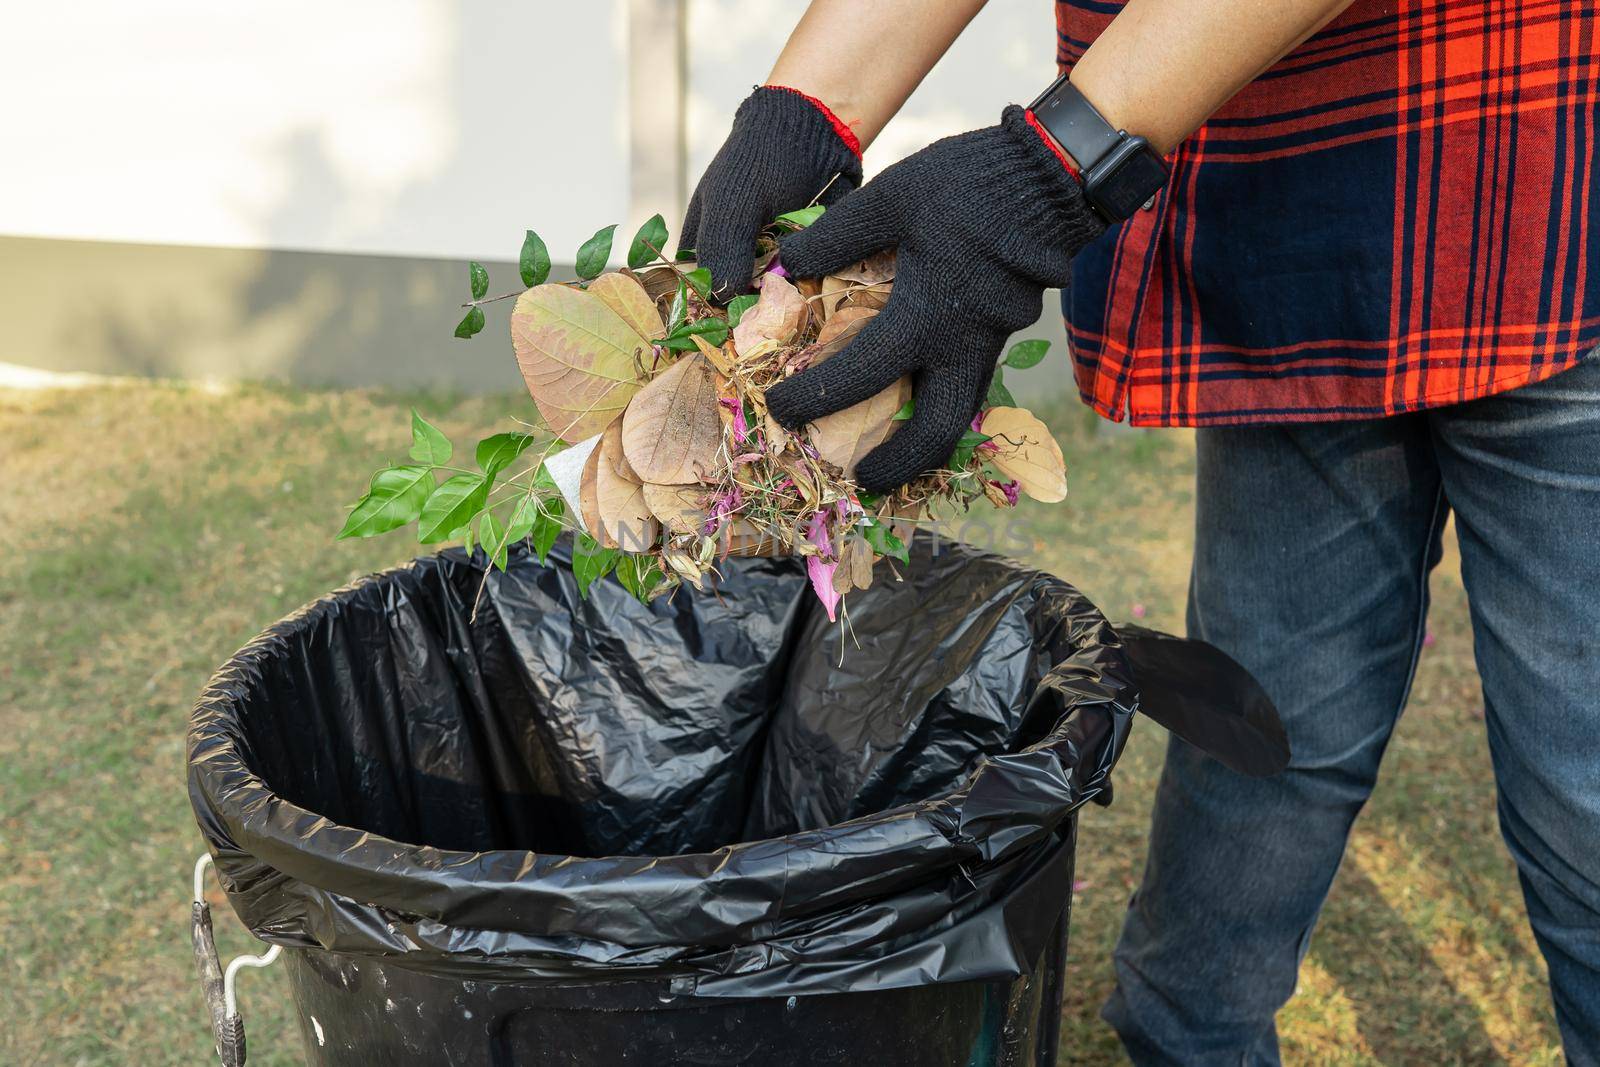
x=709 y=791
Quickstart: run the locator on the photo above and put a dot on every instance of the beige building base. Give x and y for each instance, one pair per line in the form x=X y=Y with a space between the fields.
x=309 y=318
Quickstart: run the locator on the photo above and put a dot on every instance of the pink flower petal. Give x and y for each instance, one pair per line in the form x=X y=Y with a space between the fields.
x=1011 y=489
x=740 y=430
x=778 y=268
x=1139 y=611
x=817 y=533
x=821 y=574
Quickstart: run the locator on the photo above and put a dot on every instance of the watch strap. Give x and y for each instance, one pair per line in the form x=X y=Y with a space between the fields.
x=1082 y=131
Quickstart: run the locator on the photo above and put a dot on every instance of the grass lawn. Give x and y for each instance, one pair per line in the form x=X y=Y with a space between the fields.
x=149 y=530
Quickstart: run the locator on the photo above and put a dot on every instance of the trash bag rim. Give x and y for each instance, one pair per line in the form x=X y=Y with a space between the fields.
x=232 y=801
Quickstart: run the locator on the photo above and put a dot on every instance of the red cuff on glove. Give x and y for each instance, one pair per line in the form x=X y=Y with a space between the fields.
x=846 y=134
x=1050 y=143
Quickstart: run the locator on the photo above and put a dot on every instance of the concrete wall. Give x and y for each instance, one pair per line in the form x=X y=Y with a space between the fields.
x=291 y=190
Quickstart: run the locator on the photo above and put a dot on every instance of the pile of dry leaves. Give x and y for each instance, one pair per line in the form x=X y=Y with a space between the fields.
x=674 y=461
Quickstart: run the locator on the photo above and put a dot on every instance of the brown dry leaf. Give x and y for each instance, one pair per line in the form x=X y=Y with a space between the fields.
x=861 y=560
x=662 y=281
x=834 y=290
x=589 y=499
x=624 y=517
x=577 y=351
x=839 y=330
x=676 y=506
x=871 y=296
x=777 y=436
x=844 y=437
x=777 y=315
x=721 y=358
x=1025 y=450
x=684 y=565
x=804 y=483
x=903 y=520
x=855 y=566
x=841 y=578
x=878 y=267
x=672 y=430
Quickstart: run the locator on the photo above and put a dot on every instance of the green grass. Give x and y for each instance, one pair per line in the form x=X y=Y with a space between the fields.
x=149 y=530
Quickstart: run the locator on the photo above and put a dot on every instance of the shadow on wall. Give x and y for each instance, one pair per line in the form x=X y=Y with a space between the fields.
x=234 y=314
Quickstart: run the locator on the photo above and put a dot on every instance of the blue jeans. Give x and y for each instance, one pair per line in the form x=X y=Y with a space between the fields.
x=1313 y=547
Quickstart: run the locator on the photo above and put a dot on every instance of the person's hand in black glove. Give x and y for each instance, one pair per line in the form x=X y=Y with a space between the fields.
x=786 y=150
x=983 y=223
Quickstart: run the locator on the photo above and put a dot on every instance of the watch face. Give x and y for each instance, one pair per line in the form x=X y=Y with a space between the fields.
x=1125 y=180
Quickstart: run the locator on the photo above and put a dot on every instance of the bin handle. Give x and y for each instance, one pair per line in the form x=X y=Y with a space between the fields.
x=227 y=1026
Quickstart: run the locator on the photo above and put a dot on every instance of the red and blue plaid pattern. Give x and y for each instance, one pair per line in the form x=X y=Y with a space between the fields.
x=1402 y=213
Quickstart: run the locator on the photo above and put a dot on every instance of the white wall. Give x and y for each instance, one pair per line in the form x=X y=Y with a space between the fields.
x=437 y=128
x=410 y=127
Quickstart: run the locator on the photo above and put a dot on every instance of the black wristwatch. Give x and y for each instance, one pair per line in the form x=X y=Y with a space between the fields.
x=1121 y=172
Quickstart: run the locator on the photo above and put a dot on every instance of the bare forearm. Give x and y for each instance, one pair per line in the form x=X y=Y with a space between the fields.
x=1159 y=70
x=1163 y=66
x=864 y=57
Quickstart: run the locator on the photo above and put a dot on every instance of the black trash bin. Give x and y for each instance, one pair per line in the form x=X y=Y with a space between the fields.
x=527 y=828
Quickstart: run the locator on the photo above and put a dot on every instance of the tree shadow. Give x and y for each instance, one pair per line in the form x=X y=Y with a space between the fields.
x=1390 y=977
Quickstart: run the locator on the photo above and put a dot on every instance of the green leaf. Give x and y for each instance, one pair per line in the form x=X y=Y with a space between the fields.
x=478 y=278
x=885 y=542
x=639 y=575
x=495 y=452
x=965 y=447
x=471 y=324
x=451 y=506
x=650 y=241
x=546 y=528
x=679 y=310
x=395 y=497
x=522 y=518
x=534 y=263
x=999 y=396
x=590 y=562
x=493 y=538
x=428 y=445
x=1025 y=354
x=699 y=280
x=908 y=409
x=595 y=251
x=801 y=218
x=713 y=329
x=738 y=306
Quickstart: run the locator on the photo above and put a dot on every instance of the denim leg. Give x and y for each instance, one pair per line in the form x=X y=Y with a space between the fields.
x=1522 y=472
x=1313 y=545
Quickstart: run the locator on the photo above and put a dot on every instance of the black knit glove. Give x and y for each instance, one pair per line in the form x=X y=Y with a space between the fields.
x=983 y=222
x=784 y=150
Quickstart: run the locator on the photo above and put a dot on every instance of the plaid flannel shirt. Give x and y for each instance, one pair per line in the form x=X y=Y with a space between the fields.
x=1400 y=214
